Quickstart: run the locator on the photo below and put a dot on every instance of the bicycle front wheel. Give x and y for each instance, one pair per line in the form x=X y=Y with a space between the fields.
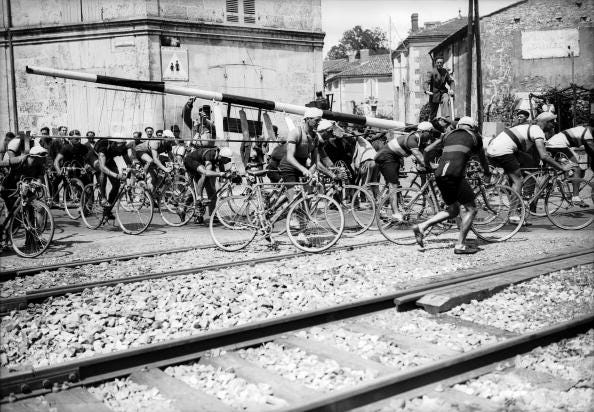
x=565 y=210
x=90 y=208
x=315 y=223
x=233 y=223
x=31 y=229
x=134 y=209
x=531 y=184
x=177 y=205
x=412 y=208
x=500 y=213
x=71 y=197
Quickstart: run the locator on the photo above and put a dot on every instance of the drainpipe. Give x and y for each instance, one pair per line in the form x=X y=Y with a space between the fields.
x=13 y=99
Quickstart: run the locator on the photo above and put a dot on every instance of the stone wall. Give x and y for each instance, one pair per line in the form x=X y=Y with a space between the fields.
x=505 y=71
x=278 y=57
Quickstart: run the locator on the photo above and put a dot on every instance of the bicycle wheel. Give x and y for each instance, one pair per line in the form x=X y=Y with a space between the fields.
x=134 y=209
x=563 y=211
x=315 y=223
x=71 y=197
x=233 y=223
x=358 y=208
x=90 y=206
x=378 y=190
x=177 y=204
x=500 y=213
x=414 y=209
x=31 y=229
x=530 y=184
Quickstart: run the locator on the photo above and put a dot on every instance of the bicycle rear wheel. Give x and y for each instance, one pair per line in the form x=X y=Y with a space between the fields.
x=31 y=229
x=233 y=223
x=414 y=209
x=134 y=209
x=358 y=208
x=177 y=205
x=71 y=197
x=565 y=213
x=315 y=223
x=500 y=213
x=90 y=206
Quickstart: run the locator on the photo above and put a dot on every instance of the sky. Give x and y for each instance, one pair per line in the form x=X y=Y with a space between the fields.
x=341 y=15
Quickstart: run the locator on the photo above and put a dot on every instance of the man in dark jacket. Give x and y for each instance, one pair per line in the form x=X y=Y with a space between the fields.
x=435 y=87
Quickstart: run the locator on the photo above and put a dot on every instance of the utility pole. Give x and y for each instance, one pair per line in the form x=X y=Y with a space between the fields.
x=479 y=70
x=13 y=96
x=469 y=39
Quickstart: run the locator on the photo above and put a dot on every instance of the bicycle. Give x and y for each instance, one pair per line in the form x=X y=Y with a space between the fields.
x=173 y=197
x=558 y=193
x=133 y=204
x=28 y=226
x=314 y=222
x=72 y=189
x=358 y=204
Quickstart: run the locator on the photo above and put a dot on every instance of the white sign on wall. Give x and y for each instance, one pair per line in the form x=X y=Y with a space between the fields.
x=550 y=43
x=175 y=63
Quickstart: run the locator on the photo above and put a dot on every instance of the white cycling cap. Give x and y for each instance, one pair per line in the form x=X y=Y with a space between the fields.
x=38 y=151
x=467 y=120
x=312 y=112
x=226 y=152
x=424 y=126
x=325 y=125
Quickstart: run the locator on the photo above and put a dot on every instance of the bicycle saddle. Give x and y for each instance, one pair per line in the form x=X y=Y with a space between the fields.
x=257 y=172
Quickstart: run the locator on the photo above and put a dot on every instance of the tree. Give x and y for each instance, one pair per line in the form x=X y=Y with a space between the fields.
x=356 y=39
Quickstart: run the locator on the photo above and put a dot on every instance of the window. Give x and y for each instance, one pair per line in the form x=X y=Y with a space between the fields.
x=233 y=11
x=249 y=11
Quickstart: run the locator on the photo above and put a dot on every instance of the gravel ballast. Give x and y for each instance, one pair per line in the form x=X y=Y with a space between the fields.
x=532 y=305
x=107 y=319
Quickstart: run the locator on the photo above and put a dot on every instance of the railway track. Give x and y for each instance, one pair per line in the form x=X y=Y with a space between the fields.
x=37 y=296
x=144 y=364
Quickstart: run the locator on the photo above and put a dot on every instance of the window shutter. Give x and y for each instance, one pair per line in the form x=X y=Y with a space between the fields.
x=249 y=11
x=232 y=10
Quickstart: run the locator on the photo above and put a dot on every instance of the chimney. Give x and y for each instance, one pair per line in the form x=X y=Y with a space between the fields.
x=414 y=22
x=352 y=55
x=363 y=55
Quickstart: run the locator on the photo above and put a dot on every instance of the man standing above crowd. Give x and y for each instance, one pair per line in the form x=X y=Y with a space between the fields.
x=435 y=87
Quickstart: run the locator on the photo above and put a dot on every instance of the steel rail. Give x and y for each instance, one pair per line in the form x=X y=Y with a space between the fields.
x=36 y=296
x=114 y=365
x=11 y=274
x=400 y=382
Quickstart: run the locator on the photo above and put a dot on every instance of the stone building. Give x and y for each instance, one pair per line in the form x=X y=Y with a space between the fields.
x=362 y=85
x=524 y=49
x=412 y=65
x=257 y=48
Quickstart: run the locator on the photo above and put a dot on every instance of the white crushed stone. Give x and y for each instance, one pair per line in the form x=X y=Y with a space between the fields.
x=226 y=386
x=297 y=365
x=124 y=395
x=539 y=302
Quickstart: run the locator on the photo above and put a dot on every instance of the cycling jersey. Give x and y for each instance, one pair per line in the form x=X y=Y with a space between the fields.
x=16 y=146
x=402 y=144
x=161 y=146
x=458 y=146
x=574 y=137
x=74 y=152
x=520 y=138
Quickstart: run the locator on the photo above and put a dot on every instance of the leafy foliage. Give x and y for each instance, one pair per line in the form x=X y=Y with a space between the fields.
x=358 y=38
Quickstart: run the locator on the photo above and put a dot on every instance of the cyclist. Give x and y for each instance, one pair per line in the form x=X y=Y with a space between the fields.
x=72 y=151
x=274 y=160
x=202 y=165
x=107 y=150
x=336 y=149
x=513 y=149
x=148 y=153
x=303 y=144
x=15 y=146
x=567 y=139
x=458 y=146
x=391 y=156
x=31 y=165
